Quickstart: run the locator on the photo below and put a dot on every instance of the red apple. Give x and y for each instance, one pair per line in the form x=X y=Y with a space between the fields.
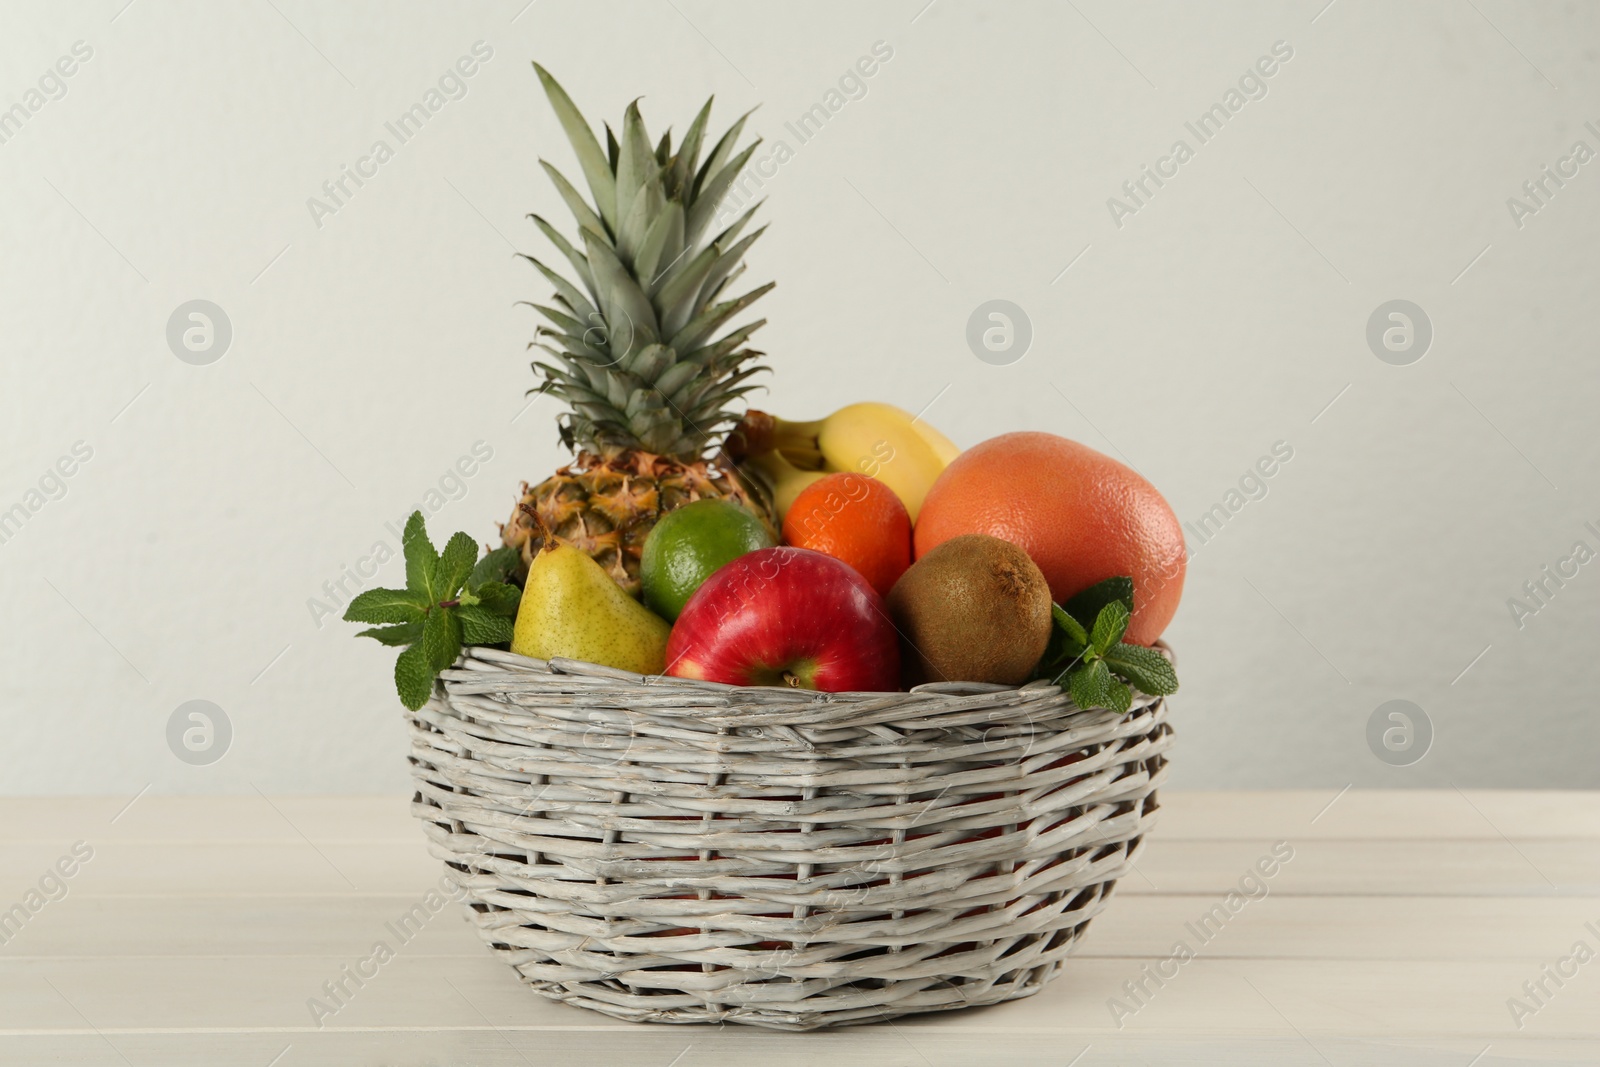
x=787 y=616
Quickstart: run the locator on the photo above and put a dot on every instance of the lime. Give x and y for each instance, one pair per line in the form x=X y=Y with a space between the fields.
x=689 y=543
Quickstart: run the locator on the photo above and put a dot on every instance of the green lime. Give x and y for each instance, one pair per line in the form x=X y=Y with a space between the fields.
x=688 y=544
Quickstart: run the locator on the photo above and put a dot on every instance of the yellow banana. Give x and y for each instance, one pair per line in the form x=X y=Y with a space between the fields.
x=881 y=441
x=878 y=440
x=786 y=479
x=943 y=447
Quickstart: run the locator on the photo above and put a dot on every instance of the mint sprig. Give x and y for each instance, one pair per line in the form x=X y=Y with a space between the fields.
x=452 y=598
x=1087 y=656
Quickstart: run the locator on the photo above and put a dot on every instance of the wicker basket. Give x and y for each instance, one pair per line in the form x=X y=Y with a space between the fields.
x=665 y=850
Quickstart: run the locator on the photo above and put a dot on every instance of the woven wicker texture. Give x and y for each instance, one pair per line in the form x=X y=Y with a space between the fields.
x=665 y=850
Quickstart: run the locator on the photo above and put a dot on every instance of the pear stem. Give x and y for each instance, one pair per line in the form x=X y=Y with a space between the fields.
x=547 y=537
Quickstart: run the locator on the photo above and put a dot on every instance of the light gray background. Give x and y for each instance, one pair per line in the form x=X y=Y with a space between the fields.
x=370 y=353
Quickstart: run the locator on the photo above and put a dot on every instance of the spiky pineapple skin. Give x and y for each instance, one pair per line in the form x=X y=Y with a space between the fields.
x=607 y=505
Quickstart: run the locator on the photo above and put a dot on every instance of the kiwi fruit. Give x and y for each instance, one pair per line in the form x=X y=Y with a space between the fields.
x=974 y=609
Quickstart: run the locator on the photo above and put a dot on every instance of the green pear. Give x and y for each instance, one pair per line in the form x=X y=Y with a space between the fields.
x=572 y=608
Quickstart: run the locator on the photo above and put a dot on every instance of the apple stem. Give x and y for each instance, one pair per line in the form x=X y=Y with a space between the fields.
x=791 y=680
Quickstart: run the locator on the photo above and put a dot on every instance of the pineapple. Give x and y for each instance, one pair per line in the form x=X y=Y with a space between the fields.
x=636 y=344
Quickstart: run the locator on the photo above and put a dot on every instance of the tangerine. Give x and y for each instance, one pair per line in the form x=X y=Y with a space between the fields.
x=1082 y=516
x=853 y=518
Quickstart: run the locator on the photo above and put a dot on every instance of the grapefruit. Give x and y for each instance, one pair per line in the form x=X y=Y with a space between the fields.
x=1079 y=514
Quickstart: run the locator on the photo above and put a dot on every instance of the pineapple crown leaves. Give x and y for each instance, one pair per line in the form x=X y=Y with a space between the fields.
x=448 y=601
x=634 y=343
x=1087 y=655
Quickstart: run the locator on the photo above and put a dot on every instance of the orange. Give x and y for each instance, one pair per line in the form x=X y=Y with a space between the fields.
x=1082 y=516
x=857 y=519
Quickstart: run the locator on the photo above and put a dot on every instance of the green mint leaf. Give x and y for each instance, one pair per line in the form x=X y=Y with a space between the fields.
x=421 y=559
x=434 y=615
x=1060 y=674
x=1060 y=654
x=1109 y=626
x=480 y=626
x=1067 y=643
x=441 y=638
x=386 y=605
x=1066 y=624
x=1078 y=687
x=404 y=634
x=1090 y=685
x=1146 y=668
x=1119 y=698
x=496 y=566
x=1087 y=605
x=499 y=597
x=453 y=566
x=413 y=677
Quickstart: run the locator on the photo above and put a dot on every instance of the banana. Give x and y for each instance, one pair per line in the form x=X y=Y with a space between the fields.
x=878 y=440
x=883 y=442
x=943 y=447
x=785 y=479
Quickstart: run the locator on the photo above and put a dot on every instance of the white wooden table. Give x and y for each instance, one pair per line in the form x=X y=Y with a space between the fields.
x=1397 y=934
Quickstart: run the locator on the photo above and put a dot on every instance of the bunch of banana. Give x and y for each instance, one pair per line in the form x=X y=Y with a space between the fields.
x=878 y=440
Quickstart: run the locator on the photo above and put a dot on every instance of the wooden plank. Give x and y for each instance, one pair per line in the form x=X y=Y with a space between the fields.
x=255 y=868
x=1482 y=867
x=860 y=1046
x=1280 y=926
x=164 y=993
x=1350 y=927
x=1395 y=934
x=250 y=817
x=1274 y=997
x=1256 y=998
x=1375 y=814
x=100 y=927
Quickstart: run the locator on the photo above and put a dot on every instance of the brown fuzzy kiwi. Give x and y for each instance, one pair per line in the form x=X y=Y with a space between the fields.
x=975 y=609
